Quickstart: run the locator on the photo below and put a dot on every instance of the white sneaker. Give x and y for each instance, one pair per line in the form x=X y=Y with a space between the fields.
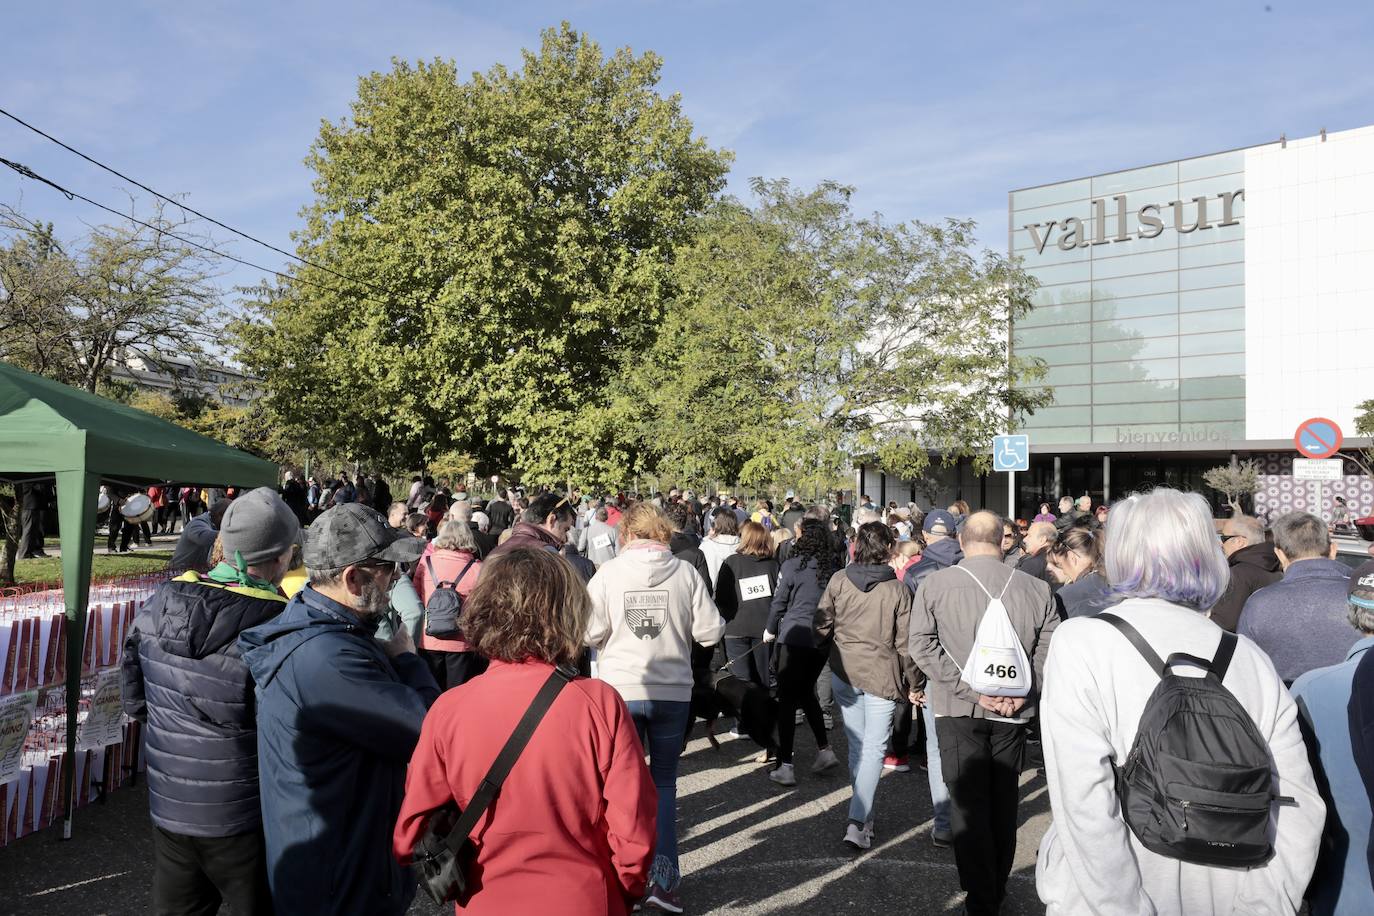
x=857 y=837
x=800 y=718
x=784 y=775
x=734 y=733
x=825 y=760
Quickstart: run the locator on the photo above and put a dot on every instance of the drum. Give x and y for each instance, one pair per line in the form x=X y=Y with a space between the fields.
x=102 y=503
x=138 y=509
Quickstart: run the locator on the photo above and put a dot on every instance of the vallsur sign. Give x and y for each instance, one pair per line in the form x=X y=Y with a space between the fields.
x=1149 y=222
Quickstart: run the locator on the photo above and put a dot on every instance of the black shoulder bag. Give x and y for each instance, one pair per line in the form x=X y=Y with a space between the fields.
x=445 y=853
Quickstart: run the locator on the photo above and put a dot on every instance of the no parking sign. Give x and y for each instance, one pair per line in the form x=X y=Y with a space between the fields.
x=1318 y=438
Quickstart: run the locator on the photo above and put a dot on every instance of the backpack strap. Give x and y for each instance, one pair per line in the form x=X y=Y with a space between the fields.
x=983 y=587
x=449 y=583
x=965 y=569
x=464 y=571
x=1131 y=633
x=501 y=767
x=1222 y=660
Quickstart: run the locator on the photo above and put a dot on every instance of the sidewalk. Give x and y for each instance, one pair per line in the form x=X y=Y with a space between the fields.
x=160 y=542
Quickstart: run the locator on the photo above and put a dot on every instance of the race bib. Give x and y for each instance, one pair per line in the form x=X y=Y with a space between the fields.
x=998 y=668
x=755 y=587
x=601 y=541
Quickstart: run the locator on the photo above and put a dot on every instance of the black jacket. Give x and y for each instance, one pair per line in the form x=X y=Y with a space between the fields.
x=1085 y=597
x=746 y=615
x=485 y=542
x=792 y=614
x=937 y=555
x=686 y=547
x=184 y=677
x=1037 y=565
x=1360 y=715
x=1252 y=568
x=501 y=514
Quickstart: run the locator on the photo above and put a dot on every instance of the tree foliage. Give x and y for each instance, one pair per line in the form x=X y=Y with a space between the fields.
x=1233 y=482
x=522 y=225
x=802 y=335
x=1364 y=426
x=69 y=312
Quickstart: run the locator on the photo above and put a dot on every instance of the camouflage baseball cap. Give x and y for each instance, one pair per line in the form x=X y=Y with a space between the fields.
x=353 y=533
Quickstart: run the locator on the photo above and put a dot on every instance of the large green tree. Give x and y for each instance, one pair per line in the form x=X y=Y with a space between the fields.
x=803 y=336
x=512 y=238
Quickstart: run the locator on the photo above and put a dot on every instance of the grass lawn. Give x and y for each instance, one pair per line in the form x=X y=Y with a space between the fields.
x=102 y=566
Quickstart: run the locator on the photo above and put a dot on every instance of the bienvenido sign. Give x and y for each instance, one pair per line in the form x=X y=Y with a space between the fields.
x=1149 y=222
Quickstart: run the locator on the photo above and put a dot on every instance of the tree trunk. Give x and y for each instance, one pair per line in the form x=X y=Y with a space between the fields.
x=9 y=524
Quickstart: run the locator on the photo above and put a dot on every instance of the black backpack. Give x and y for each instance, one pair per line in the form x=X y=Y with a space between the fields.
x=444 y=608
x=1196 y=785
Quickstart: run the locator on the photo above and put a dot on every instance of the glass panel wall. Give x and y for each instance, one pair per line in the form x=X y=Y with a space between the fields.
x=1140 y=314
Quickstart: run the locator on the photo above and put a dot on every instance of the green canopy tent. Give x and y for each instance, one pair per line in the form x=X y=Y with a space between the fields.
x=51 y=430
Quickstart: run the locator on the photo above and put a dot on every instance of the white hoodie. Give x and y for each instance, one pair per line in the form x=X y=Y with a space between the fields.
x=1096 y=686
x=717 y=549
x=648 y=607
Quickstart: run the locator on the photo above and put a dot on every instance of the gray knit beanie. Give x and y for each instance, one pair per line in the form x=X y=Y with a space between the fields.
x=258 y=526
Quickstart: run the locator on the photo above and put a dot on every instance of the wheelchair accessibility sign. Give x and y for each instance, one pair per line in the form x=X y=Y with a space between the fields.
x=1011 y=453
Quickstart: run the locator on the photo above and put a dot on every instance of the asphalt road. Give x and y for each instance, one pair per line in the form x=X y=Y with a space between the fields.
x=747 y=846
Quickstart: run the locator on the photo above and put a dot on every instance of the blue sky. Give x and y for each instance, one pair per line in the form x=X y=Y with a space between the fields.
x=930 y=110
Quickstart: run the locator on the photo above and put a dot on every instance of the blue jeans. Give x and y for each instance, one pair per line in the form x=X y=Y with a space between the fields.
x=662 y=724
x=939 y=792
x=867 y=720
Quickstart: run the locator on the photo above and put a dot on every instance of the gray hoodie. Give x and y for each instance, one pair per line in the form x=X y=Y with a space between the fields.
x=599 y=542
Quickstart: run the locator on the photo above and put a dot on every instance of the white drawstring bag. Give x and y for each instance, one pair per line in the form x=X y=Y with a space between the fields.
x=997 y=665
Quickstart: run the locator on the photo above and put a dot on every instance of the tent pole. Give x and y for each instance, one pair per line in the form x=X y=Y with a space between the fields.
x=76 y=495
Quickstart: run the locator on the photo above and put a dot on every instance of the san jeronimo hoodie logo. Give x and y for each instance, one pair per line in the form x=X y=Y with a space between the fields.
x=645 y=612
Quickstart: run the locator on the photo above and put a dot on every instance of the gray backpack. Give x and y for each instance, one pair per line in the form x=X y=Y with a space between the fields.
x=444 y=608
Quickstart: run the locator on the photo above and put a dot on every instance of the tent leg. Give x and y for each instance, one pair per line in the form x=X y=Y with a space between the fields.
x=76 y=494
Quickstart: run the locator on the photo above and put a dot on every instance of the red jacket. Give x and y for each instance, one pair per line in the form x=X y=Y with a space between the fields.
x=573 y=826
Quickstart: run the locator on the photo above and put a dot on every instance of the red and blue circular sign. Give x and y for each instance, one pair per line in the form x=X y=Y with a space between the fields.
x=1318 y=438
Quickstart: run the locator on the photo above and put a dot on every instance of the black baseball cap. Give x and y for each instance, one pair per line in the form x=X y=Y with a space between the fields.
x=353 y=533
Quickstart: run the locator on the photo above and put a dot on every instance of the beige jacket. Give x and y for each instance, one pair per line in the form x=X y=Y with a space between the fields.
x=867 y=610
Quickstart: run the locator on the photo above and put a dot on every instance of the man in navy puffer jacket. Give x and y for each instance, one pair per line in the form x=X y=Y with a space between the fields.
x=184 y=677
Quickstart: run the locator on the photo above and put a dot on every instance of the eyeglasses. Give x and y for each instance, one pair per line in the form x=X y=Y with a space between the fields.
x=1227 y=537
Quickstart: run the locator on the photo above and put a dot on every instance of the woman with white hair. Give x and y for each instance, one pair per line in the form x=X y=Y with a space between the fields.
x=1164 y=560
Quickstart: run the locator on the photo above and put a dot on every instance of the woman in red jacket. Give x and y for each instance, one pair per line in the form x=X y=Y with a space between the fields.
x=573 y=827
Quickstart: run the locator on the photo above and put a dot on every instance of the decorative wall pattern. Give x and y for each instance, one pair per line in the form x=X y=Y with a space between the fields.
x=1280 y=493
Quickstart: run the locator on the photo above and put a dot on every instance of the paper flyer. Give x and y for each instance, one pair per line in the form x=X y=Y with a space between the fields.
x=104 y=724
x=16 y=715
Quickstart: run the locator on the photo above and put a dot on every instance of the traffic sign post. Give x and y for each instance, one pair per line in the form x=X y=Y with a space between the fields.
x=1011 y=454
x=1318 y=439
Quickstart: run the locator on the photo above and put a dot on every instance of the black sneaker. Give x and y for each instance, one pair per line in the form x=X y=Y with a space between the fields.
x=660 y=898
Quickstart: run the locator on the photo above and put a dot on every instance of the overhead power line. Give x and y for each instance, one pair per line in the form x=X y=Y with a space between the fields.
x=177 y=203
x=72 y=195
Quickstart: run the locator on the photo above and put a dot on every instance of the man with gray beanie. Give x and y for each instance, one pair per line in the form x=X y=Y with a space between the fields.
x=339 y=714
x=185 y=679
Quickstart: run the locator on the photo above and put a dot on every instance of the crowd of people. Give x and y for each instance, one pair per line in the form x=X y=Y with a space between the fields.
x=335 y=680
